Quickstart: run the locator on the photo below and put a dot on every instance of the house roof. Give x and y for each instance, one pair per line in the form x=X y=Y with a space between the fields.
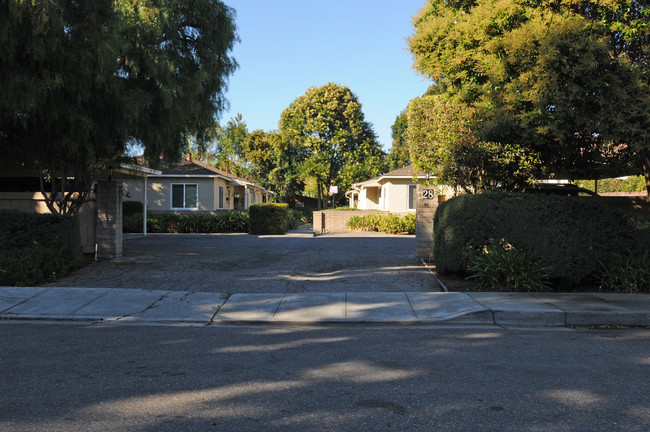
x=405 y=172
x=194 y=168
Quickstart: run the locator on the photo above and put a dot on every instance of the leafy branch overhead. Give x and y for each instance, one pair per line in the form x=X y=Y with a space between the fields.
x=83 y=80
x=561 y=86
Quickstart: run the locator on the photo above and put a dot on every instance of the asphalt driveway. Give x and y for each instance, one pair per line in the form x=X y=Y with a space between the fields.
x=241 y=263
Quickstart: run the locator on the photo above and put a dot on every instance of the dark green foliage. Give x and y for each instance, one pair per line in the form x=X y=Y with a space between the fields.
x=195 y=223
x=508 y=269
x=307 y=214
x=560 y=85
x=296 y=218
x=269 y=218
x=35 y=248
x=131 y=207
x=569 y=235
x=391 y=224
x=82 y=80
x=628 y=273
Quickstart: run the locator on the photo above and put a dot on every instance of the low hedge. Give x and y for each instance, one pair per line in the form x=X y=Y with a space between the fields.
x=194 y=223
x=272 y=218
x=36 y=248
x=130 y=208
x=391 y=224
x=570 y=236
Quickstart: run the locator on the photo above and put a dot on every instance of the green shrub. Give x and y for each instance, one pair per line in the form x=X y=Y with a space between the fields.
x=629 y=184
x=307 y=214
x=506 y=269
x=36 y=248
x=131 y=207
x=194 y=223
x=296 y=218
x=132 y=223
x=391 y=224
x=628 y=273
x=565 y=233
x=269 y=218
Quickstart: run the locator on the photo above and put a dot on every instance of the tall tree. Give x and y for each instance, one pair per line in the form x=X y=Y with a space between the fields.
x=548 y=77
x=229 y=147
x=399 y=155
x=275 y=164
x=339 y=144
x=81 y=80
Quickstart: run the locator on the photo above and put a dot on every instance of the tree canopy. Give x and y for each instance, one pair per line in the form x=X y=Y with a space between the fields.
x=339 y=146
x=399 y=155
x=563 y=85
x=82 y=80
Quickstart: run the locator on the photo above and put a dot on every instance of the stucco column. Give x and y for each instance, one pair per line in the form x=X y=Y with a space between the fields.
x=427 y=203
x=109 y=219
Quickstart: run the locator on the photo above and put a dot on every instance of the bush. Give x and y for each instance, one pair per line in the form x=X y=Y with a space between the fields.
x=296 y=218
x=194 y=223
x=628 y=273
x=564 y=233
x=307 y=214
x=36 y=248
x=507 y=269
x=131 y=207
x=269 y=218
x=629 y=184
x=391 y=224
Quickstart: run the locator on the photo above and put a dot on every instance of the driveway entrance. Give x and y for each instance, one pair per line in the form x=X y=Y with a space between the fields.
x=241 y=263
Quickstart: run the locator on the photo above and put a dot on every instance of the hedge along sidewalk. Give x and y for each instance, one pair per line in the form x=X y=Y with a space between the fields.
x=36 y=248
x=567 y=234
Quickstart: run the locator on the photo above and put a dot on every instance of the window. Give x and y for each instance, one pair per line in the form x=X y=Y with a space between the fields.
x=185 y=196
x=413 y=197
x=220 y=197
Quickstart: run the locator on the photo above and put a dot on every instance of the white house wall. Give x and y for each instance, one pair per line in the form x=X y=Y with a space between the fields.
x=369 y=198
x=396 y=195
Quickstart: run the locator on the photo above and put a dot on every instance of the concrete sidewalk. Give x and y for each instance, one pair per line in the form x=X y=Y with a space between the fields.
x=94 y=305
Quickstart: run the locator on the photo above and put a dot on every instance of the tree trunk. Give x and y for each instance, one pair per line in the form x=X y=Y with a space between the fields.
x=320 y=195
x=645 y=162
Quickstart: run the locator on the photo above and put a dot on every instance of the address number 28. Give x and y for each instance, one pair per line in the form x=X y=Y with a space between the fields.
x=428 y=194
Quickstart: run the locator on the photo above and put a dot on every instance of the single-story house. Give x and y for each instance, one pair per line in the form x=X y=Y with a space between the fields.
x=193 y=186
x=394 y=192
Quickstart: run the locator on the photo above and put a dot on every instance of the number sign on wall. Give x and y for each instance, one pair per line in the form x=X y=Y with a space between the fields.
x=428 y=194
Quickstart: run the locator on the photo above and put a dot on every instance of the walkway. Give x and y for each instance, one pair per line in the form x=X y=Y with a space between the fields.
x=137 y=306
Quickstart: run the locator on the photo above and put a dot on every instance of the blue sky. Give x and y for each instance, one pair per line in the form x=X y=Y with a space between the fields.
x=288 y=46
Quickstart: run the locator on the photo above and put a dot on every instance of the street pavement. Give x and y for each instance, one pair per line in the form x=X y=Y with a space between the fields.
x=168 y=307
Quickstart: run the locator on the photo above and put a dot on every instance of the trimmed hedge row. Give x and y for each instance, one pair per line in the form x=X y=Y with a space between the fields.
x=391 y=224
x=36 y=248
x=195 y=223
x=572 y=237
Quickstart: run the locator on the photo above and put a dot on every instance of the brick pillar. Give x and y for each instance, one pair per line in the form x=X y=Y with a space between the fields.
x=109 y=219
x=426 y=208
